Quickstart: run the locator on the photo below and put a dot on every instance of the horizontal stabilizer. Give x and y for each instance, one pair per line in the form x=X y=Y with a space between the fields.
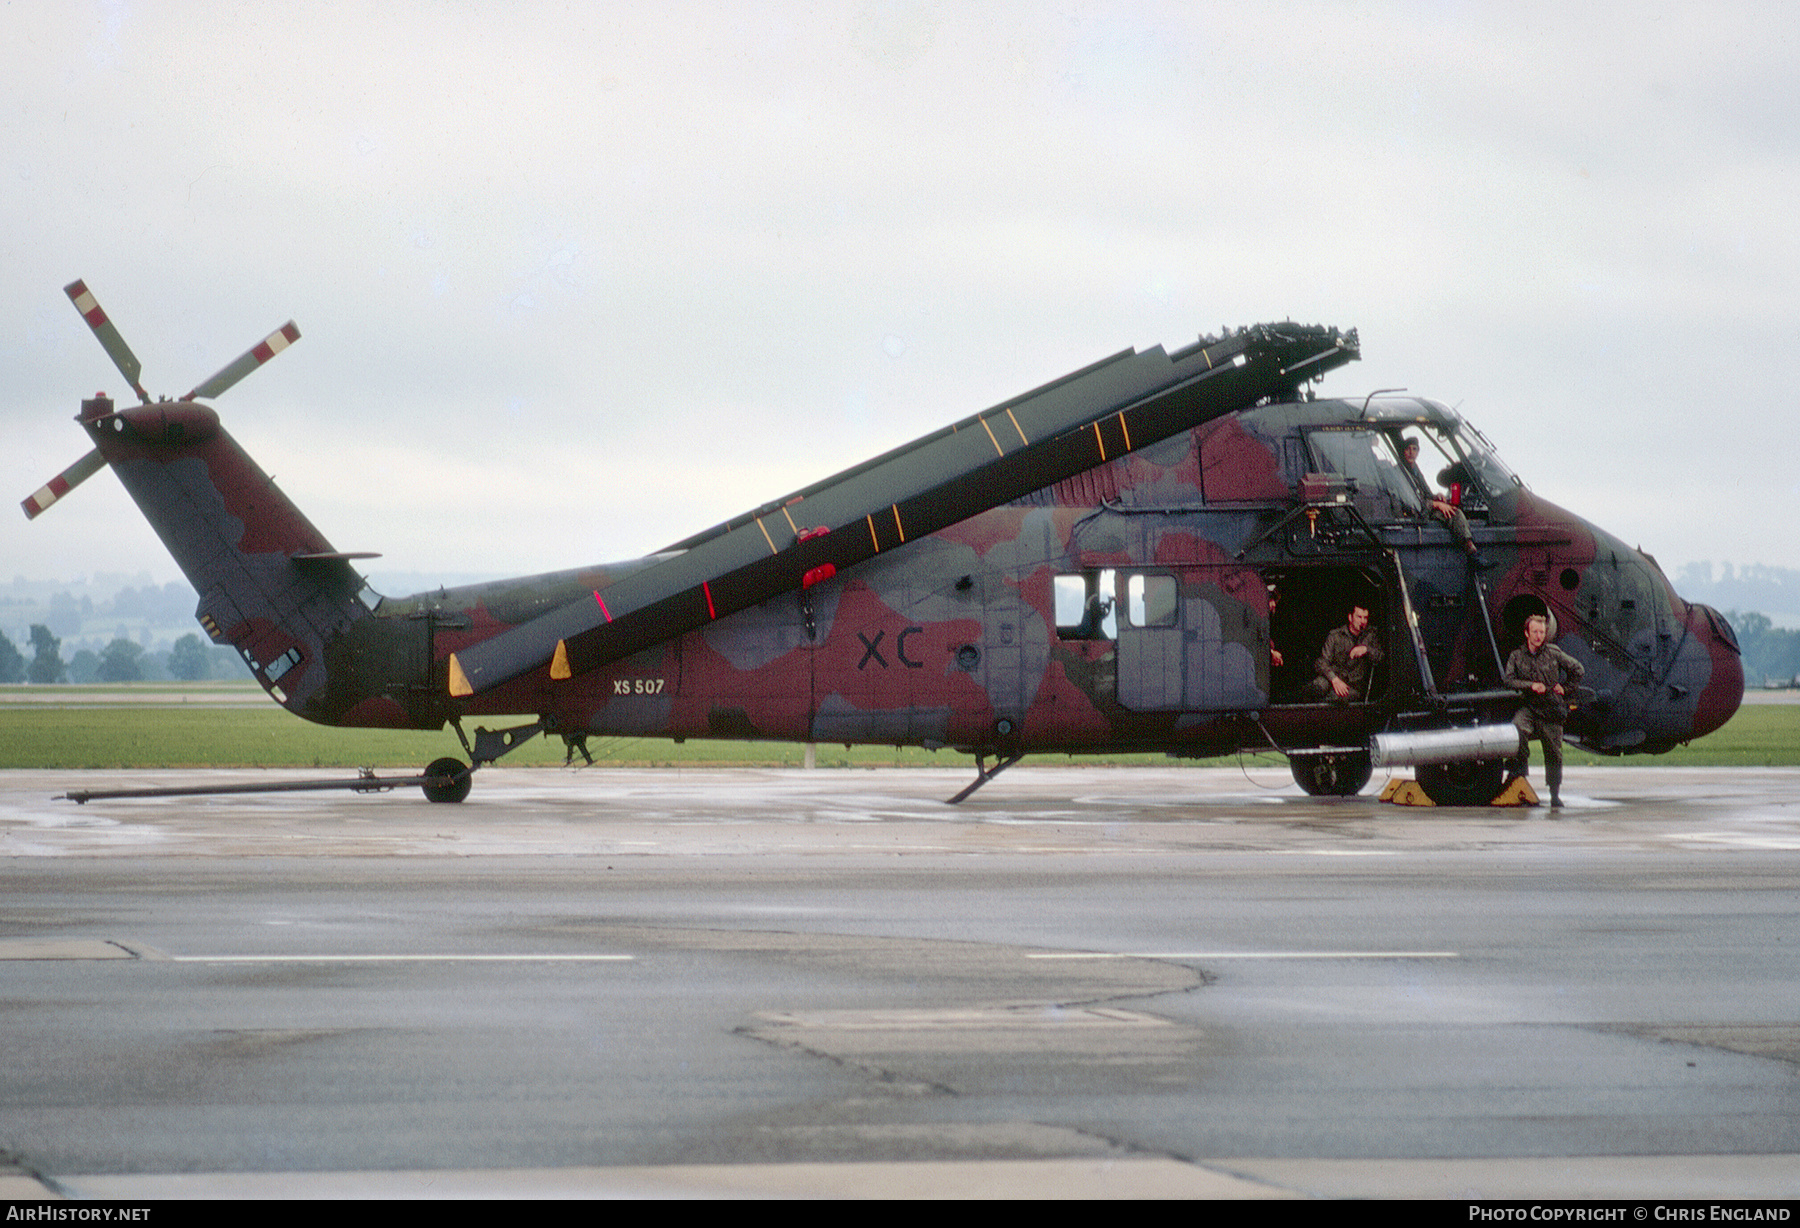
x=63 y=482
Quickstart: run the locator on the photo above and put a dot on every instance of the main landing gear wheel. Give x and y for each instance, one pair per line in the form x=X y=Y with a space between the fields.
x=1330 y=773
x=1463 y=784
x=459 y=785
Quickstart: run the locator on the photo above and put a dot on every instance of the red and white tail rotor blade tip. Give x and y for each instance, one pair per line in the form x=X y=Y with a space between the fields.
x=109 y=338
x=248 y=361
x=63 y=483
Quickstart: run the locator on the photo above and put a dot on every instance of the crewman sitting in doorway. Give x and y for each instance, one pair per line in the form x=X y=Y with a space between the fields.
x=1350 y=653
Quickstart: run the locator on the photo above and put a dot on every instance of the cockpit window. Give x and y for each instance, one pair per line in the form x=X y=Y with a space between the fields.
x=1442 y=468
x=1372 y=460
x=1484 y=466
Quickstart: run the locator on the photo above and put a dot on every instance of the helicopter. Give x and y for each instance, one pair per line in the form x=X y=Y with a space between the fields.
x=1146 y=554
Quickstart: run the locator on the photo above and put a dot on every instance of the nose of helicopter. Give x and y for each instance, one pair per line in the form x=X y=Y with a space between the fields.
x=1724 y=689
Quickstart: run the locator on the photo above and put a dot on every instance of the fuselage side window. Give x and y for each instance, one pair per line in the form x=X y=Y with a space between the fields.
x=1150 y=600
x=1085 y=609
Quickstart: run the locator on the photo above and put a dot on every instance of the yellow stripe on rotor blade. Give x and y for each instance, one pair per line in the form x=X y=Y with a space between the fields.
x=459 y=681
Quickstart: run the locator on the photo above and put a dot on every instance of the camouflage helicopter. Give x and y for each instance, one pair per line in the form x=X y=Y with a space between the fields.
x=1147 y=554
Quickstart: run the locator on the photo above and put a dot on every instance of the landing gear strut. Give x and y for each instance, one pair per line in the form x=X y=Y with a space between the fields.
x=982 y=775
x=448 y=780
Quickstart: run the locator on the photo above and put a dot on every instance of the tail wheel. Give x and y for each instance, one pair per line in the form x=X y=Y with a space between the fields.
x=456 y=773
x=1331 y=773
x=1463 y=784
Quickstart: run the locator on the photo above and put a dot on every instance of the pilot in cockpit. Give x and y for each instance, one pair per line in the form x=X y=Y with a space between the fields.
x=1442 y=508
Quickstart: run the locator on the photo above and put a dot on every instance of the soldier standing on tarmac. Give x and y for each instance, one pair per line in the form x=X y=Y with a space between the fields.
x=1545 y=674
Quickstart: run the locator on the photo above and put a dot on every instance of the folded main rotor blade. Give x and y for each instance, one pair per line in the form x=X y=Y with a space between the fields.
x=110 y=341
x=247 y=362
x=63 y=483
x=1115 y=407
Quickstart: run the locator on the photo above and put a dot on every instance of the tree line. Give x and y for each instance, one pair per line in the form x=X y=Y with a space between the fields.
x=189 y=659
x=1771 y=654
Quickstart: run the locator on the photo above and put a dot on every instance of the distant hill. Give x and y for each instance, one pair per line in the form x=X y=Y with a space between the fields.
x=1774 y=591
x=89 y=612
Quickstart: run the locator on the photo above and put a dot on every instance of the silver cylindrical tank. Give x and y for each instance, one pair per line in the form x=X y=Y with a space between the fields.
x=1423 y=747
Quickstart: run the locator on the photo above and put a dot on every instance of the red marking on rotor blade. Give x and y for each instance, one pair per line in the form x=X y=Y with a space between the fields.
x=46 y=495
x=275 y=342
x=707 y=589
x=62 y=484
x=603 y=608
x=84 y=301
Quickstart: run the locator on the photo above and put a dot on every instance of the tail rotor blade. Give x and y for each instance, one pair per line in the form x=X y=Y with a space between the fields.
x=110 y=341
x=63 y=482
x=248 y=361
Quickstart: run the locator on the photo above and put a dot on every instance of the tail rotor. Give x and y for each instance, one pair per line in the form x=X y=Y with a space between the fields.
x=110 y=341
x=63 y=483
x=129 y=367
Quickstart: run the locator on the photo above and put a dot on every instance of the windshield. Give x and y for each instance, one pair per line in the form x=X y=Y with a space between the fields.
x=1485 y=468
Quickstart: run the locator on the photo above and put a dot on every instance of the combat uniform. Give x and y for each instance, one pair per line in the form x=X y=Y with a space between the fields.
x=1542 y=715
x=1335 y=662
x=1457 y=522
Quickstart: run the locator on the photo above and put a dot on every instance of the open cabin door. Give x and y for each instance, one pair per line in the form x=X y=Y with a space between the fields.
x=1193 y=639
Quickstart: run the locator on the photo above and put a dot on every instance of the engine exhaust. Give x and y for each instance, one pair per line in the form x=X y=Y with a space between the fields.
x=1426 y=747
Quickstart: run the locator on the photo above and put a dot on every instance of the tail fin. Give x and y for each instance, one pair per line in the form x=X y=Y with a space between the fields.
x=270 y=585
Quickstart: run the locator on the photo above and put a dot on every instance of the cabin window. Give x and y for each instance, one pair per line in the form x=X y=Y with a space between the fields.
x=1150 y=600
x=1084 y=605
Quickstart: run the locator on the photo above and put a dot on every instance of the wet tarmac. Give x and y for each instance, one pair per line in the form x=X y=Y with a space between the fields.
x=1105 y=982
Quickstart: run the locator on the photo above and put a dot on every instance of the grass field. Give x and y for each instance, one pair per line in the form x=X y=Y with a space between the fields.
x=186 y=725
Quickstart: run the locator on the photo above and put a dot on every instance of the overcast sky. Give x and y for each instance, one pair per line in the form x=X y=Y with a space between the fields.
x=577 y=280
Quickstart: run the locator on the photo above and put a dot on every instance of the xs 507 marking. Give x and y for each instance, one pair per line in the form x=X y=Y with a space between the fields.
x=637 y=686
